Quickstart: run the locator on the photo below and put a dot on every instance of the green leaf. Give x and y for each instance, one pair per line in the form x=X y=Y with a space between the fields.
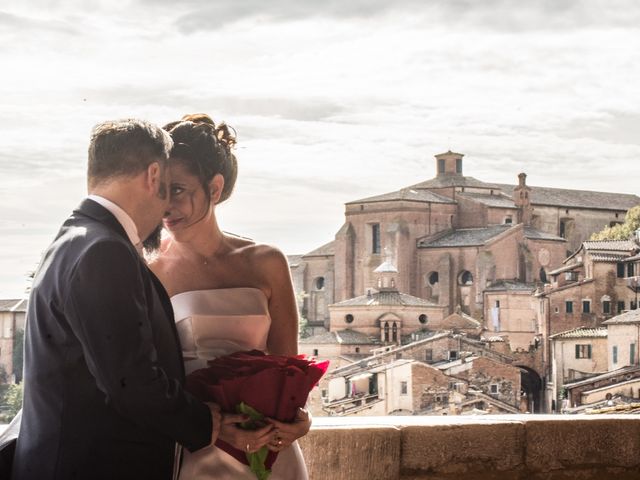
x=256 y=459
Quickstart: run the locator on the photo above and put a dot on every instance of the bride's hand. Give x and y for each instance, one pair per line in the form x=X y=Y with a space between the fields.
x=246 y=440
x=287 y=433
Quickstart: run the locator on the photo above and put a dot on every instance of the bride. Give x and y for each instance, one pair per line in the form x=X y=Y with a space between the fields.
x=228 y=293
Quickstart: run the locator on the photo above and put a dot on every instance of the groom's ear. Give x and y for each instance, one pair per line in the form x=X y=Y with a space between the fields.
x=153 y=176
x=215 y=187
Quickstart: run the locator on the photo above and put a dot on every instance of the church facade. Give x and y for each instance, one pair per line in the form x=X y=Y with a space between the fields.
x=456 y=242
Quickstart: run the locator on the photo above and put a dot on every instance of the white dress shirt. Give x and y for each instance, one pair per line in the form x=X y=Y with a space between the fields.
x=122 y=217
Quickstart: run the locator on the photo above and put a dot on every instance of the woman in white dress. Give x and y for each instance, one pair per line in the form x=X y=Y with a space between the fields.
x=228 y=293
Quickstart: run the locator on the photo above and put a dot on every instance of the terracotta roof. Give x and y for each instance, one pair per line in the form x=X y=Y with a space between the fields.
x=341 y=337
x=632 y=316
x=498 y=201
x=608 y=257
x=582 y=333
x=602 y=376
x=407 y=194
x=13 y=305
x=386 y=297
x=324 y=250
x=635 y=258
x=535 y=234
x=464 y=237
x=615 y=245
x=447 y=181
x=386 y=267
x=510 y=285
x=560 y=197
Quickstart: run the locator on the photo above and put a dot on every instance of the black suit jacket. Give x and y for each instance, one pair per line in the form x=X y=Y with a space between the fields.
x=103 y=395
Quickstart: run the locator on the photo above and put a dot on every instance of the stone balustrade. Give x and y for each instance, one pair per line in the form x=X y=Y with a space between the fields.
x=505 y=447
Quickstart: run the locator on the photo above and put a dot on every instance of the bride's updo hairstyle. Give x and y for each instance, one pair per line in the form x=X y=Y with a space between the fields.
x=205 y=149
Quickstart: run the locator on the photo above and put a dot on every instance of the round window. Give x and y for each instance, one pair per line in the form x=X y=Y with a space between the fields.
x=422 y=319
x=433 y=278
x=348 y=318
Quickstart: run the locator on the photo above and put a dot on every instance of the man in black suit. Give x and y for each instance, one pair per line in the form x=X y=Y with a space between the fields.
x=103 y=396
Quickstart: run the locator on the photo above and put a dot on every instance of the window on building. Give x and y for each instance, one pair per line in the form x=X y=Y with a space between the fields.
x=357 y=349
x=375 y=238
x=583 y=351
x=543 y=275
x=315 y=352
x=508 y=220
x=428 y=355
x=586 y=306
x=348 y=318
x=630 y=270
x=394 y=332
x=497 y=304
x=319 y=283
x=563 y=229
x=633 y=305
x=620 y=270
x=453 y=354
x=422 y=319
x=433 y=278
x=441 y=165
x=620 y=306
x=568 y=306
x=386 y=331
x=632 y=354
x=493 y=388
x=614 y=354
x=606 y=307
x=465 y=278
x=571 y=276
x=458 y=165
x=404 y=388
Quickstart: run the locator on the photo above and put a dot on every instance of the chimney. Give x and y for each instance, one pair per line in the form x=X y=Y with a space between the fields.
x=522 y=199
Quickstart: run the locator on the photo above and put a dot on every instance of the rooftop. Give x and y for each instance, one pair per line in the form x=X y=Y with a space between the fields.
x=582 y=332
x=386 y=297
x=499 y=200
x=406 y=194
x=471 y=237
x=510 y=285
x=327 y=249
x=13 y=305
x=341 y=337
x=632 y=316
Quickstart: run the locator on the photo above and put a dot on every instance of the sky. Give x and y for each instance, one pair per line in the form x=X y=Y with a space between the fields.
x=332 y=101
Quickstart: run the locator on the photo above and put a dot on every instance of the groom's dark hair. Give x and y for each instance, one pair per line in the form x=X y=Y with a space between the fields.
x=125 y=148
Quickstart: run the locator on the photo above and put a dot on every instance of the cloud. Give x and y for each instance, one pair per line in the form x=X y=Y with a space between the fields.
x=497 y=15
x=24 y=26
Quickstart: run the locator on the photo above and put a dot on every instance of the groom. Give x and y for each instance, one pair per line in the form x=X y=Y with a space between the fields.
x=103 y=396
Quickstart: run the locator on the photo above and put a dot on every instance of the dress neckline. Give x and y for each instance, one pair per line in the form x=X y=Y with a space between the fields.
x=218 y=290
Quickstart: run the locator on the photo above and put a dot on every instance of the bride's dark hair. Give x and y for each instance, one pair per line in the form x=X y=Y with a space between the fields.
x=205 y=149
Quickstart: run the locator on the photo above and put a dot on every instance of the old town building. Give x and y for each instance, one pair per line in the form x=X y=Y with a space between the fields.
x=455 y=241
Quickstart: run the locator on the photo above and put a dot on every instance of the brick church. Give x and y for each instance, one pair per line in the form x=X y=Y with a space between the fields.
x=451 y=244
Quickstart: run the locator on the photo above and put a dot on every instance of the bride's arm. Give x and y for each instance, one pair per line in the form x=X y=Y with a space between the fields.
x=283 y=334
x=283 y=338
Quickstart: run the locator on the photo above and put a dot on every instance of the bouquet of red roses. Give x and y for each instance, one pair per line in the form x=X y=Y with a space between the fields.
x=258 y=385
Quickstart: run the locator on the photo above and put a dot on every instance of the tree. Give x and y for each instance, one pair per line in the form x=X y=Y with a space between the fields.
x=18 y=354
x=623 y=231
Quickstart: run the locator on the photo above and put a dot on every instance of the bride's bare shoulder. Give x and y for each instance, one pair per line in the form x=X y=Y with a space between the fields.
x=257 y=253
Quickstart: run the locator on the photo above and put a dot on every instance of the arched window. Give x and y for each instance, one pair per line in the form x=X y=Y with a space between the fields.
x=319 y=283
x=465 y=278
x=394 y=332
x=543 y=275
x=386 y=331
x=433 y=278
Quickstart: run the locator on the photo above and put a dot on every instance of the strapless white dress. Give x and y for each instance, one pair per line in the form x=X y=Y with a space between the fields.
x=212 y=323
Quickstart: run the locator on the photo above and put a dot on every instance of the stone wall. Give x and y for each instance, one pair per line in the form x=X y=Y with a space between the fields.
x=500 y=447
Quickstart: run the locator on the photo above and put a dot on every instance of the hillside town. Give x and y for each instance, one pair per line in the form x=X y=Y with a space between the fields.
x=457 y=296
